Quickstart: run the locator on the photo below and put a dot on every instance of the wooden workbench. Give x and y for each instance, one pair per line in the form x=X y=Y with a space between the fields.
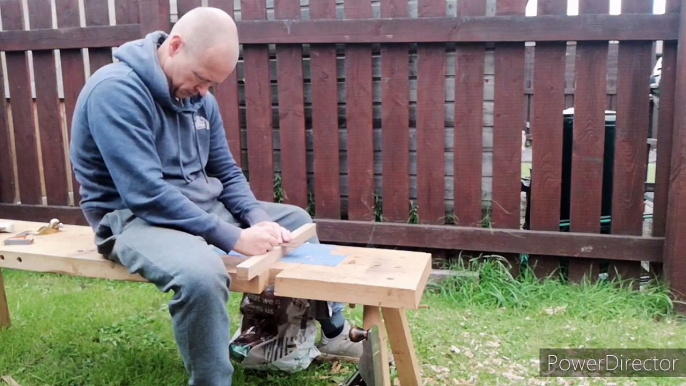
x=386 y=282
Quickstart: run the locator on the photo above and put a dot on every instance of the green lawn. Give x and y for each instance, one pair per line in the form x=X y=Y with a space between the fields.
x=76 y=331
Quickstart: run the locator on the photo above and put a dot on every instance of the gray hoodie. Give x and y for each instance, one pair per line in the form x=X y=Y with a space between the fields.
x=134 y=146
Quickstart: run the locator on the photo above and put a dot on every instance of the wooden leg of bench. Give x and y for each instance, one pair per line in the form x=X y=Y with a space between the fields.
x=4 y=307
x=399 y=335
x=372 y=317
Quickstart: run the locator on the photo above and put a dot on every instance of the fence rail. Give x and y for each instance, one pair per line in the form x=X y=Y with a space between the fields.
x=380 y=118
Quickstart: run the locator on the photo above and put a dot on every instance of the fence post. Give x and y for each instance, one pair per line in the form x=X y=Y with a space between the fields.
x=154 y=16
x=675 y=238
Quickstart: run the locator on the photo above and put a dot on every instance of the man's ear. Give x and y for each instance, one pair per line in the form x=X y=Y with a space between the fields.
x=176 y=44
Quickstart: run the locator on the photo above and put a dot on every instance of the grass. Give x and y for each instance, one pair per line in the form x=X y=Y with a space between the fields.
x=77 y=331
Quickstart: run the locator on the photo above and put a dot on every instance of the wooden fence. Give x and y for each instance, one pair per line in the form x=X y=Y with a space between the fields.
x=377 y=113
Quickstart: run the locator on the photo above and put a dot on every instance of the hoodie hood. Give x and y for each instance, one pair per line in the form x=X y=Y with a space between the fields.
x=141 y=56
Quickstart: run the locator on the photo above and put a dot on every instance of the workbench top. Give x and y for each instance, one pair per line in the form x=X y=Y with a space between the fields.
x=357 y=275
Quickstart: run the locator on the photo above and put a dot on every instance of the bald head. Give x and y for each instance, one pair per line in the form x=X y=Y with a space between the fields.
x=202 y=50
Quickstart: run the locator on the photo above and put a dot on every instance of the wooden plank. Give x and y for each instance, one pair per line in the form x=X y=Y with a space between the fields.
x=369 y=277
x=324 y=119
x=463 y=29
x=360 y=120
x=586 y=245
x=291 y=111
x=631 y=133
x=97 y=14
x=10 y=381
x=255 y=265
x=22 y=111
x=258 y=105
x=48 y=109
x=157 y=16
x=5 y=320
x=547 y=129
x=508 y=123
x=7 y=184
x=126 y=12
x=402 y=345
x=227 y=97
x=665 y=132
x=468 y=138
x=430 y=116
x=675 y=237
x=184 y=6
x=73 y=71
x=589 y=141
x=63 y=38
x=395 y=117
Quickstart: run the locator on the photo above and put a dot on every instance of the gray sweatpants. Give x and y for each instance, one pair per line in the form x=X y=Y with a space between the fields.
x=185 y=264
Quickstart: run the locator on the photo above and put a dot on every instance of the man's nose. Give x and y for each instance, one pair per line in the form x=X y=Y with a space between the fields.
x=202 y=90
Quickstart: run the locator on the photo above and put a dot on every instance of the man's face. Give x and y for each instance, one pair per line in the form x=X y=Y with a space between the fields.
x=192 y=72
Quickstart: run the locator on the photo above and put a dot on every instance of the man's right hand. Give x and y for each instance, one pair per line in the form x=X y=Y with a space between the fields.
x=257 y=240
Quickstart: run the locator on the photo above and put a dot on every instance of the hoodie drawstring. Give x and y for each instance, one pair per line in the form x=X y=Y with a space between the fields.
x=197 y=147
x=178 y=143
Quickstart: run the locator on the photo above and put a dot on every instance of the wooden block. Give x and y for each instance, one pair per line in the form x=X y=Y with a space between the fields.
x=10 y=381
x=398 y=330
x=255 y=265
x=4 y=308
x=368 y=277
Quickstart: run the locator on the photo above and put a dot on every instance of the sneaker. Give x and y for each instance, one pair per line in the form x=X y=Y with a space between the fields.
x=341 y=346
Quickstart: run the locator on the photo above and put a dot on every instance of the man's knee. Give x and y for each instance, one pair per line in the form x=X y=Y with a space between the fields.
x=203 y=280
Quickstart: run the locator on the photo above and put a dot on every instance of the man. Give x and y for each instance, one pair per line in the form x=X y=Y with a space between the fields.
x=161 y=189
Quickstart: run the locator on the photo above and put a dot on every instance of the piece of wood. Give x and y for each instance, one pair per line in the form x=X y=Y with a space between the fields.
x=402 y=346
x=547 y=128
x=10 y=381
x=126 y=12
x=585 y=245
x=462 y=29
x=5 y=320
x=395 y=117
x=183 y=6
x=469 y=122
x=360 y=120
x=255 y=265
x=97 y=14
x=156 y=16
x=324 y=119
x=631 y=133
x=48 y=110
x=291 y=111
x=22 y=111
x=675 y=242
x=371 y=316
x=430 y=130
x=588 y=141
x=666 y=128
x=64 y=38
x=72 y=252
x=258 y=106
x=7 y=184
x=449 y=29
x=373 y=277
x=227 y=97
x=73 y=72
x=508 y=123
